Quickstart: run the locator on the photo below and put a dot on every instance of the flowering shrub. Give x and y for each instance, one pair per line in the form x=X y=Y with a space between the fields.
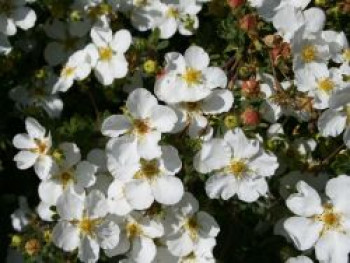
x=147 y=131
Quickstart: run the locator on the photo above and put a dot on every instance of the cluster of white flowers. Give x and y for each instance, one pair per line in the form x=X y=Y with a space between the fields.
x=127 y=199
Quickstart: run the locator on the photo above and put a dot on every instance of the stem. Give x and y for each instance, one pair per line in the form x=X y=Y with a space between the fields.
x=332 y=154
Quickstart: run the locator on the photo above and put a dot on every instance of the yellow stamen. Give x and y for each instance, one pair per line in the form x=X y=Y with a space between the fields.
x=192 y=226
x=237 y=168
x=149 y=169
x=309 y=53
x=133 y=230
x=105 y=53
x=192 y=76
x=326 y=85
x=67 y=71
x=173 y=12
x=141 y=127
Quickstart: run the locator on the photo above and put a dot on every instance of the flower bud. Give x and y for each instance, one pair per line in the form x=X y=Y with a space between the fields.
x=150 y=66
x=16 y=241
x=231 y=121
x=248 y=22
x=235 y=3
x=250 y=88
x=32 y=246
x=250 y=117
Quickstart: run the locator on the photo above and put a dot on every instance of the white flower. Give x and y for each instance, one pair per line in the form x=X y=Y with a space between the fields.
x=35 y=149
x=321 y=86
x=179 y=15
x=83 y=225
x=265 y=8
x=136 y=238
x=69 y=172
x=77 y=68
x=13 y=14
x=188 y=78
x=299 y=259
x=107 y=53
x=146 y=14
x=334 y=121
x=338 y=46
x=240 y=167
x=139 y=181
x=324 y=226
x=21 y=217
x=145 y=122
x=191 y=115
x=189 y=231
x=310 y=55
x=66 y=41
x=164 y=255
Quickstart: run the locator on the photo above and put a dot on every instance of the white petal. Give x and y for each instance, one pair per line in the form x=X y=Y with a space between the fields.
x=215 y=154
x=71 y=154
x=167 y=189
x=143 y=250
x=70 y=206
x=148 y=146
x=250 y=190
x=196 y=58
x=118 y=204
x=108 y=234
x=65 y=236
x=264 y=164
x=208 y=225
x=34 y=128
x=43 y=166
x=85 y=174
x=88 y=250
x=304 y=231
x=101 y=36
x=25 y=159
x=306 y=202
x=115 y=125
x=24 y=17
x=104 y=73
x=333 y=247
x=140 y=103
x=180 y=244
x=139 y=194
x=121 y=41
x=123 y=158
x=215 y=78
x=242 y=147
x=170 y=160
x=315 y=19
x=96 y=205
x=163 y=118
x=44 y=212
x=221 y=185
x=50 y=191
x=218 y=101
x=338 y=190
x=331 y=123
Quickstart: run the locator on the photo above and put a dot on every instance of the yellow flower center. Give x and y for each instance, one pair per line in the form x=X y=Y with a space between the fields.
x=67 y=71
x=87 y=226
x=149 y=169
x=347 y=112
x=192 y=76
x=326 y=85
x=237 y=168
x=41 y=147
x=66 y=178
x=330 y=219
x=191 y=258
x=173 y=12
x=309 y=53
x=105 y=53
x=191 y=225
x=133 y=230
x=141 y=127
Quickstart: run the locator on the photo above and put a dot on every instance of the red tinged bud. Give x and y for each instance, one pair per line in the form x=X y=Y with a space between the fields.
x=250 y=117
x=250 y=88
x=248 y=22
x=235 y=3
